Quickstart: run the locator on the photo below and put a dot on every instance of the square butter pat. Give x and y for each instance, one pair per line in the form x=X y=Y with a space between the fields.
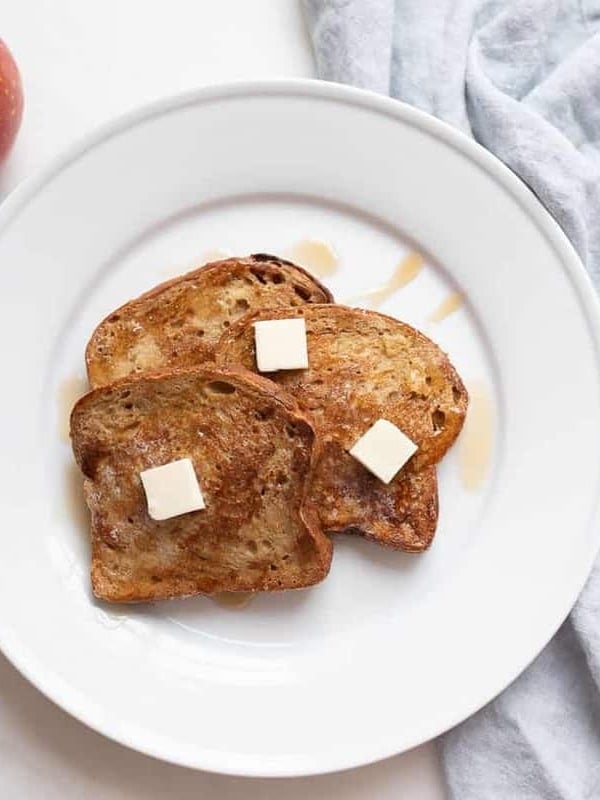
x=172 y=489
x=280 y=344
x=383 y=450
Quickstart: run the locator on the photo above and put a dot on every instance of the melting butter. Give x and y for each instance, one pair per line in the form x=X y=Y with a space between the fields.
x=233 y=600
x=476 y=442
x=69 y=392
x=317 y=256
x=448 y=306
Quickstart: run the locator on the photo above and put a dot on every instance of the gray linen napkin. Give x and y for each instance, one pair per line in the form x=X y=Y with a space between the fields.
x=523 y=78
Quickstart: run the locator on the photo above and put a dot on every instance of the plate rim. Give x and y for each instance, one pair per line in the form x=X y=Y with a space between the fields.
x=316 y=89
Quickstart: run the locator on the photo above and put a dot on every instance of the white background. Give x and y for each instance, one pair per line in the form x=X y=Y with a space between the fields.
x=83 y=62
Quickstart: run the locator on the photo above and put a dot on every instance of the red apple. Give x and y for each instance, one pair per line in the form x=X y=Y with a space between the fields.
x=11 y=100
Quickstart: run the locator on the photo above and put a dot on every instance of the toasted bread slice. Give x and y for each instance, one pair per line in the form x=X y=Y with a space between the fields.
x=253 y=451
x=365 y=366
x=178 y=323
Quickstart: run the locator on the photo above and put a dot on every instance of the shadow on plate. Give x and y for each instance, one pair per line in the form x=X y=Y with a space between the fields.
x=382 y=558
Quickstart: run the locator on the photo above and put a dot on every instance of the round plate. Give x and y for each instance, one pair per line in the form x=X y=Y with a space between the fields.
x=391 y=649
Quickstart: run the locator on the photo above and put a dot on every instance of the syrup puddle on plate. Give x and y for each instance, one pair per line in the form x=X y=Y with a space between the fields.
x=207 y=257
x=476 y=441
x=448 y=306
x=110 y=620
x=407 y=270
x=69 y=392
x=213 y=255
x=233 y=600
x=73 y=506
x=317 y=256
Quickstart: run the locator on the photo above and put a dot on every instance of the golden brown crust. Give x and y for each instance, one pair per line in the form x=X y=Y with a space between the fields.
x=254 y=452
x=365 y=366
x=178 y=323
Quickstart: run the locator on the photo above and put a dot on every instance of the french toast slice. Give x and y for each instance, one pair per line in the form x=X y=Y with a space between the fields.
x=364 y=366
x=253 y=452
x=178 y=323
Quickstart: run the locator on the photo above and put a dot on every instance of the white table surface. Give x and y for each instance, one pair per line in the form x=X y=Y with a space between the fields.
x=83 y=62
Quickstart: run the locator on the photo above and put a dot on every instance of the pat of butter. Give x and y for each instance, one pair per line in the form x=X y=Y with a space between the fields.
x=280 y=344
x=383 y=450
x=172 y=489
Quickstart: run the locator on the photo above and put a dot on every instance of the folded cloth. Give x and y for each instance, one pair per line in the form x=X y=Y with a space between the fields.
x=523 y=78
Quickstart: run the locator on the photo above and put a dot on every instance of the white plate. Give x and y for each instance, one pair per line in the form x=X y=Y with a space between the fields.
x=390 y=650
